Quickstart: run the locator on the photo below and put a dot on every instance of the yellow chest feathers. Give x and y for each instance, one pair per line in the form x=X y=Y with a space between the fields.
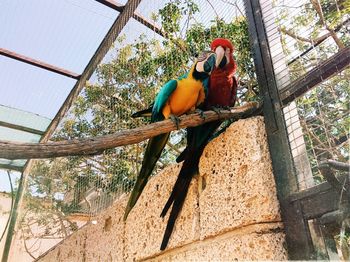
x=188 y=94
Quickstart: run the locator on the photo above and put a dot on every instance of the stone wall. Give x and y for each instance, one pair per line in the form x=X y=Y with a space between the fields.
x=231 y=211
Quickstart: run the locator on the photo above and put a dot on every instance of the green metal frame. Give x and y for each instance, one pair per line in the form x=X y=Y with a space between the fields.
x=298 y=238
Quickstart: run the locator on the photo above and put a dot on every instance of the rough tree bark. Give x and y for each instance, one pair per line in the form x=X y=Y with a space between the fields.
x=96 y=145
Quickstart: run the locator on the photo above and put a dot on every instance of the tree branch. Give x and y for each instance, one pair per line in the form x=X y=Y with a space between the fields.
x=96 y=145
x=295 y=36
x=26 y=247
x=317 y=5
x=343 y=166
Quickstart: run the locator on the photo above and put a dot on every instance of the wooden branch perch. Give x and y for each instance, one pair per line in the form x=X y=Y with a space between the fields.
x=96 y=145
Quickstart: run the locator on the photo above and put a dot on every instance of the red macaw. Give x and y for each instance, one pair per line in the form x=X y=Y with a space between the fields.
x=221 y=93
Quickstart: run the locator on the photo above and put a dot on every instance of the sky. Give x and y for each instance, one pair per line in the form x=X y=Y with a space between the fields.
x=64 y=33
x=51 y=31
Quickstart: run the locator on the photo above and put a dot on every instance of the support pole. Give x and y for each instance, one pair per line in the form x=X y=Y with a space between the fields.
x=13 y=220
x=299 y=243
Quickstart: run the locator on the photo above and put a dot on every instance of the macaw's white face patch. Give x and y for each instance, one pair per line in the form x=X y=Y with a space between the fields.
x=220 y=54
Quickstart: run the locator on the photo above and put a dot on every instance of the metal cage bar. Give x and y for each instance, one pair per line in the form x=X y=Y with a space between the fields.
x=38 y=63
x=137 y=16
x=21 y=128
x=325 y=70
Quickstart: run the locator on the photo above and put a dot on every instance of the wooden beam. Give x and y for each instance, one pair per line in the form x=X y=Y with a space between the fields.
x=320 y=40
x=38 y=63
x=318 y=200
x=96 y=145
x=137 y=16
x=312 y=203
x=297 y=223
x=112 y=4
x=317 y=205
x=21 y=128
x=274 y=118
x=326 y=69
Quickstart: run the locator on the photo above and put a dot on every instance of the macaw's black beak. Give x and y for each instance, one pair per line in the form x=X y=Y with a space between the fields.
x=209 y=65
x=223 y=62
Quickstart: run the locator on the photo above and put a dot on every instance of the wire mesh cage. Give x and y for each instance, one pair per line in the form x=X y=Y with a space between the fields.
x=304 y=38
x=309 y=46
x=63 y=194
x=323 y=116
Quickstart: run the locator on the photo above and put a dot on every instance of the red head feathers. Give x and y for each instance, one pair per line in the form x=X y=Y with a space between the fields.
x=221 y=42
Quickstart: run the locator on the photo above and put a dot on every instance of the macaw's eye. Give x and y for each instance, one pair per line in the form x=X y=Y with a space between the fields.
x=201 y=57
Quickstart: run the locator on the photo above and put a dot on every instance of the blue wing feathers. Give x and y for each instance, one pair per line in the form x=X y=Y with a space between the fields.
x=165 y=92
x=161 y=99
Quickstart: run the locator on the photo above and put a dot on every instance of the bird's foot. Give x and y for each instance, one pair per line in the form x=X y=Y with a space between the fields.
x=176 y=121
x=226 y=108
x=200 y=112
x=217 y=110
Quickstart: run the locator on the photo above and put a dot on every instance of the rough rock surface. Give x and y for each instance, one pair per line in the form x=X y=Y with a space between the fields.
x=239 y=185
x=144 y=228
x=71 y=249
x=231 y=211
x=107 y=235
x=257 y=242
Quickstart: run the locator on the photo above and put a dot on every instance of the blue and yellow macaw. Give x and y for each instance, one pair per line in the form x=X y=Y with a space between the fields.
x=222 y=91
x=176 y=97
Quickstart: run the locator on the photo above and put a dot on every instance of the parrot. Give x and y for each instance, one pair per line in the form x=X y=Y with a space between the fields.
x=222 y=92
x=176 y=97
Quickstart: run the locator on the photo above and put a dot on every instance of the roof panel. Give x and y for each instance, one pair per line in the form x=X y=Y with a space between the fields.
x=22 y=118
x=226 y=10
x=32 y=89
x=12 y=164
x=62 y=33
x=10 y=134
